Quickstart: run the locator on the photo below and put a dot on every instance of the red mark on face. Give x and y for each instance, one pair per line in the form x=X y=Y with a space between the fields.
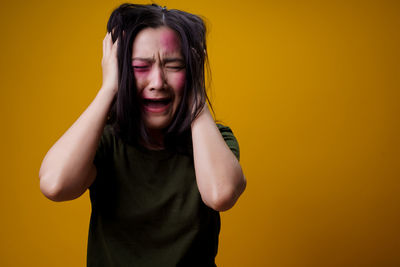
x=139 y=66
x=169 y=41
x=160 y=73
x=180 y=79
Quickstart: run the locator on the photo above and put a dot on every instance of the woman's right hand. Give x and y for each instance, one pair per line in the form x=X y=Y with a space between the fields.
x=67 y=169
x=109 y=64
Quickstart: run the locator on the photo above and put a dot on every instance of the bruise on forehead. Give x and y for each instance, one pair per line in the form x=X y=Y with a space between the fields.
x=170 y=41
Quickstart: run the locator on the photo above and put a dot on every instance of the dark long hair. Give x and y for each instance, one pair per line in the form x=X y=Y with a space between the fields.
x=125 y=23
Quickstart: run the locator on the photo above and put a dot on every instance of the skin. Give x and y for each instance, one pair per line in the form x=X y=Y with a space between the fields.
x=219 y=175
x=68 y=170
x=160 y=73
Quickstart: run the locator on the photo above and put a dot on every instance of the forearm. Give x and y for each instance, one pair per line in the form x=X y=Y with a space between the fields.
x=219 y=175
x=67 y=169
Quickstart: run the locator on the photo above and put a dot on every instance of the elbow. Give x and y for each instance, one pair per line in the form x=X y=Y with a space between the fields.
x=60 y=184
x=48 y=184
x=225 y=198
x=221 y=204
x=50 y=190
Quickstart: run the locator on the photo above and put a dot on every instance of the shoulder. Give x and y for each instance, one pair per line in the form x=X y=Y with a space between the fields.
x=108 y=130
x=108 y=136
x=106 y=143
x=224 y=129
x=230 y=139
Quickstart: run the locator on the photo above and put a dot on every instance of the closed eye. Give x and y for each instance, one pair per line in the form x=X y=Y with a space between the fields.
x=140 y=68
x=175 y=67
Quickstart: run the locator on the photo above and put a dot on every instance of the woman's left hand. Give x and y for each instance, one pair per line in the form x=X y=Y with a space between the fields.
x=218 y=173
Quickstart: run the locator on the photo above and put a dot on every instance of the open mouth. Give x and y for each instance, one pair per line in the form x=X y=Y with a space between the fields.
x=156 y=104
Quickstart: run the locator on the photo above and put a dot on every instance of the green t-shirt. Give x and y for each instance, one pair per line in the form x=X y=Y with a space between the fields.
x=147 y=209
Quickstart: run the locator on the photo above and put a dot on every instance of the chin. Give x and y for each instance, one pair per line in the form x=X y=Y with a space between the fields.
x=157 y=124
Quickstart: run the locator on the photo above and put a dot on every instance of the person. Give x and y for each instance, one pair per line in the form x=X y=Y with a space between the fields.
x=158 y=168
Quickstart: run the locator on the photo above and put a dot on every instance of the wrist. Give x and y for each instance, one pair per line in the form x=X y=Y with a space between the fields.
x=108 y=90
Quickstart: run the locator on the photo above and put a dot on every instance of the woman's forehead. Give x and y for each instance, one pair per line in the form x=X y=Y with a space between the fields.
x=161 y=40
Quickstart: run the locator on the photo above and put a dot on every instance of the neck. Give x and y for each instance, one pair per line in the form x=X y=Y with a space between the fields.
x=157 y=136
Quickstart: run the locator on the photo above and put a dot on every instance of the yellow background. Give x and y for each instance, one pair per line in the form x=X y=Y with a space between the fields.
x=310 y=88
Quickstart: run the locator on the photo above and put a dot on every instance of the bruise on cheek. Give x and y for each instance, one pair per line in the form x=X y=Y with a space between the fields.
x=139 y=76
x=180 y=80
x=140 y=73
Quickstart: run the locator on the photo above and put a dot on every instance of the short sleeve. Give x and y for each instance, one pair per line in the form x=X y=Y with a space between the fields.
x=230 y=139
x=104 y=146
x=103 y=152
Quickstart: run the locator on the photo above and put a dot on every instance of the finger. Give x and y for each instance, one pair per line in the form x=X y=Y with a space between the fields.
x=105 y=38
x=108 y=43
x=104 y=42
x=115 y=45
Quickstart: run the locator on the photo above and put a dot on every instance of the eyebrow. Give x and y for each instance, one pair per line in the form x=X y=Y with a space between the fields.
x=149 y=59
x=166 y=60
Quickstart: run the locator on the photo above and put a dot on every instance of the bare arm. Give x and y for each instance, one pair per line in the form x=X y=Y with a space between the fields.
x=219 y=175
x=67 y=169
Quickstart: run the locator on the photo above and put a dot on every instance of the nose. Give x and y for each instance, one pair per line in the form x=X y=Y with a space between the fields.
x=157 y=78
